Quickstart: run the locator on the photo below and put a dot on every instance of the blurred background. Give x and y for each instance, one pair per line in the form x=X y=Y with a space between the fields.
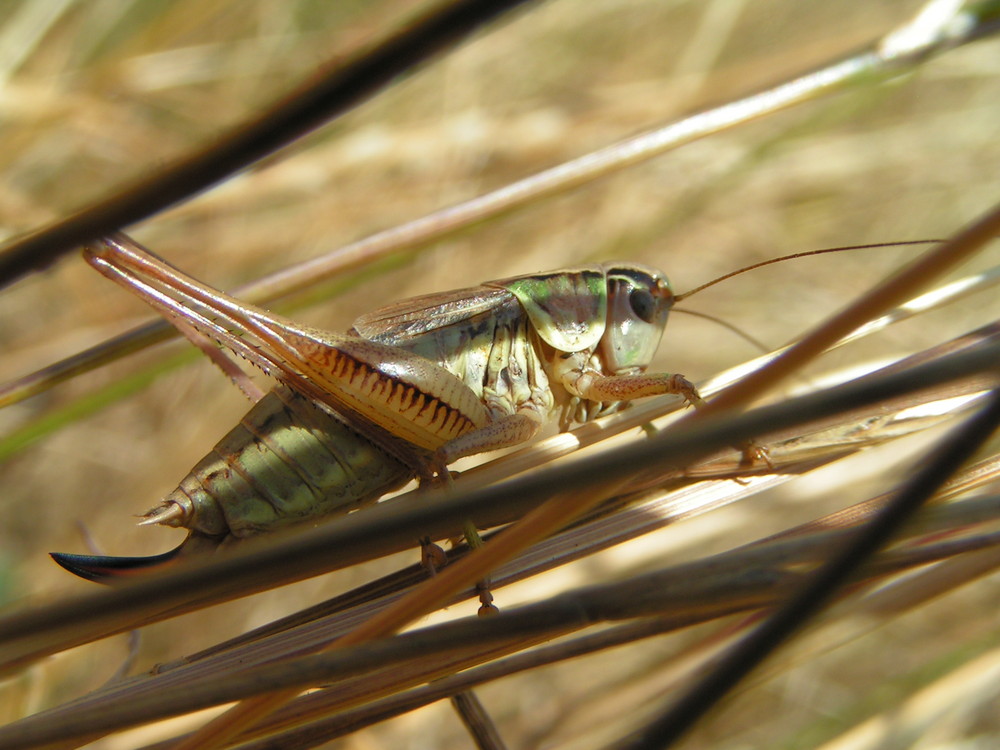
x=96 y=94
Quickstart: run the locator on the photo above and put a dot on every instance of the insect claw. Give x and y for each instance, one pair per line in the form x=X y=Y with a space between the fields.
x=105 y=569
x=432 y=557
x=753 y=455
x=487 y=608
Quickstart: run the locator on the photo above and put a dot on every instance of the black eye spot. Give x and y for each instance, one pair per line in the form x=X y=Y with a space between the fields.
x=643 y=304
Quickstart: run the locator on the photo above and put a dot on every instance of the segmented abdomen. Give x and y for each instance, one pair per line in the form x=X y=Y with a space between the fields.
x=284 y=462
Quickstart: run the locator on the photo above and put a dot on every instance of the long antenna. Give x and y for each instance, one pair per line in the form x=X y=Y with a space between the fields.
x=805 y=254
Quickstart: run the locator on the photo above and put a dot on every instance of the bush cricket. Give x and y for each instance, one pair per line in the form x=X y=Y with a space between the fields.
x=412 y=387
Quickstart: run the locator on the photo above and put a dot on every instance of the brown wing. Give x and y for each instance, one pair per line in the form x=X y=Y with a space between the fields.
x=400 y=322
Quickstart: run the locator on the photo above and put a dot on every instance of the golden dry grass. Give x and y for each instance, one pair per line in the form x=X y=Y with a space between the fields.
x=96 y=94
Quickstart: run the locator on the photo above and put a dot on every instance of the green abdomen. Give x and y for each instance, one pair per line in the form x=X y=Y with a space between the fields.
x=285 y=462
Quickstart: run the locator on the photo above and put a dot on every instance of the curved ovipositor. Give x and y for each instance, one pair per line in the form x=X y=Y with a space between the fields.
x=108 y=569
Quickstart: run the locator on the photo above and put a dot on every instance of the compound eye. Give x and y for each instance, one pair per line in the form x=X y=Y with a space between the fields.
x=642 y=304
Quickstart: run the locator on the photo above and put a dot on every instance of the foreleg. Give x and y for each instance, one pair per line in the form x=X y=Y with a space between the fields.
x=604 y=388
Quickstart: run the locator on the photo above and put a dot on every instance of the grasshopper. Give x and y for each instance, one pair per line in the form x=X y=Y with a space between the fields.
x=412 y=387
